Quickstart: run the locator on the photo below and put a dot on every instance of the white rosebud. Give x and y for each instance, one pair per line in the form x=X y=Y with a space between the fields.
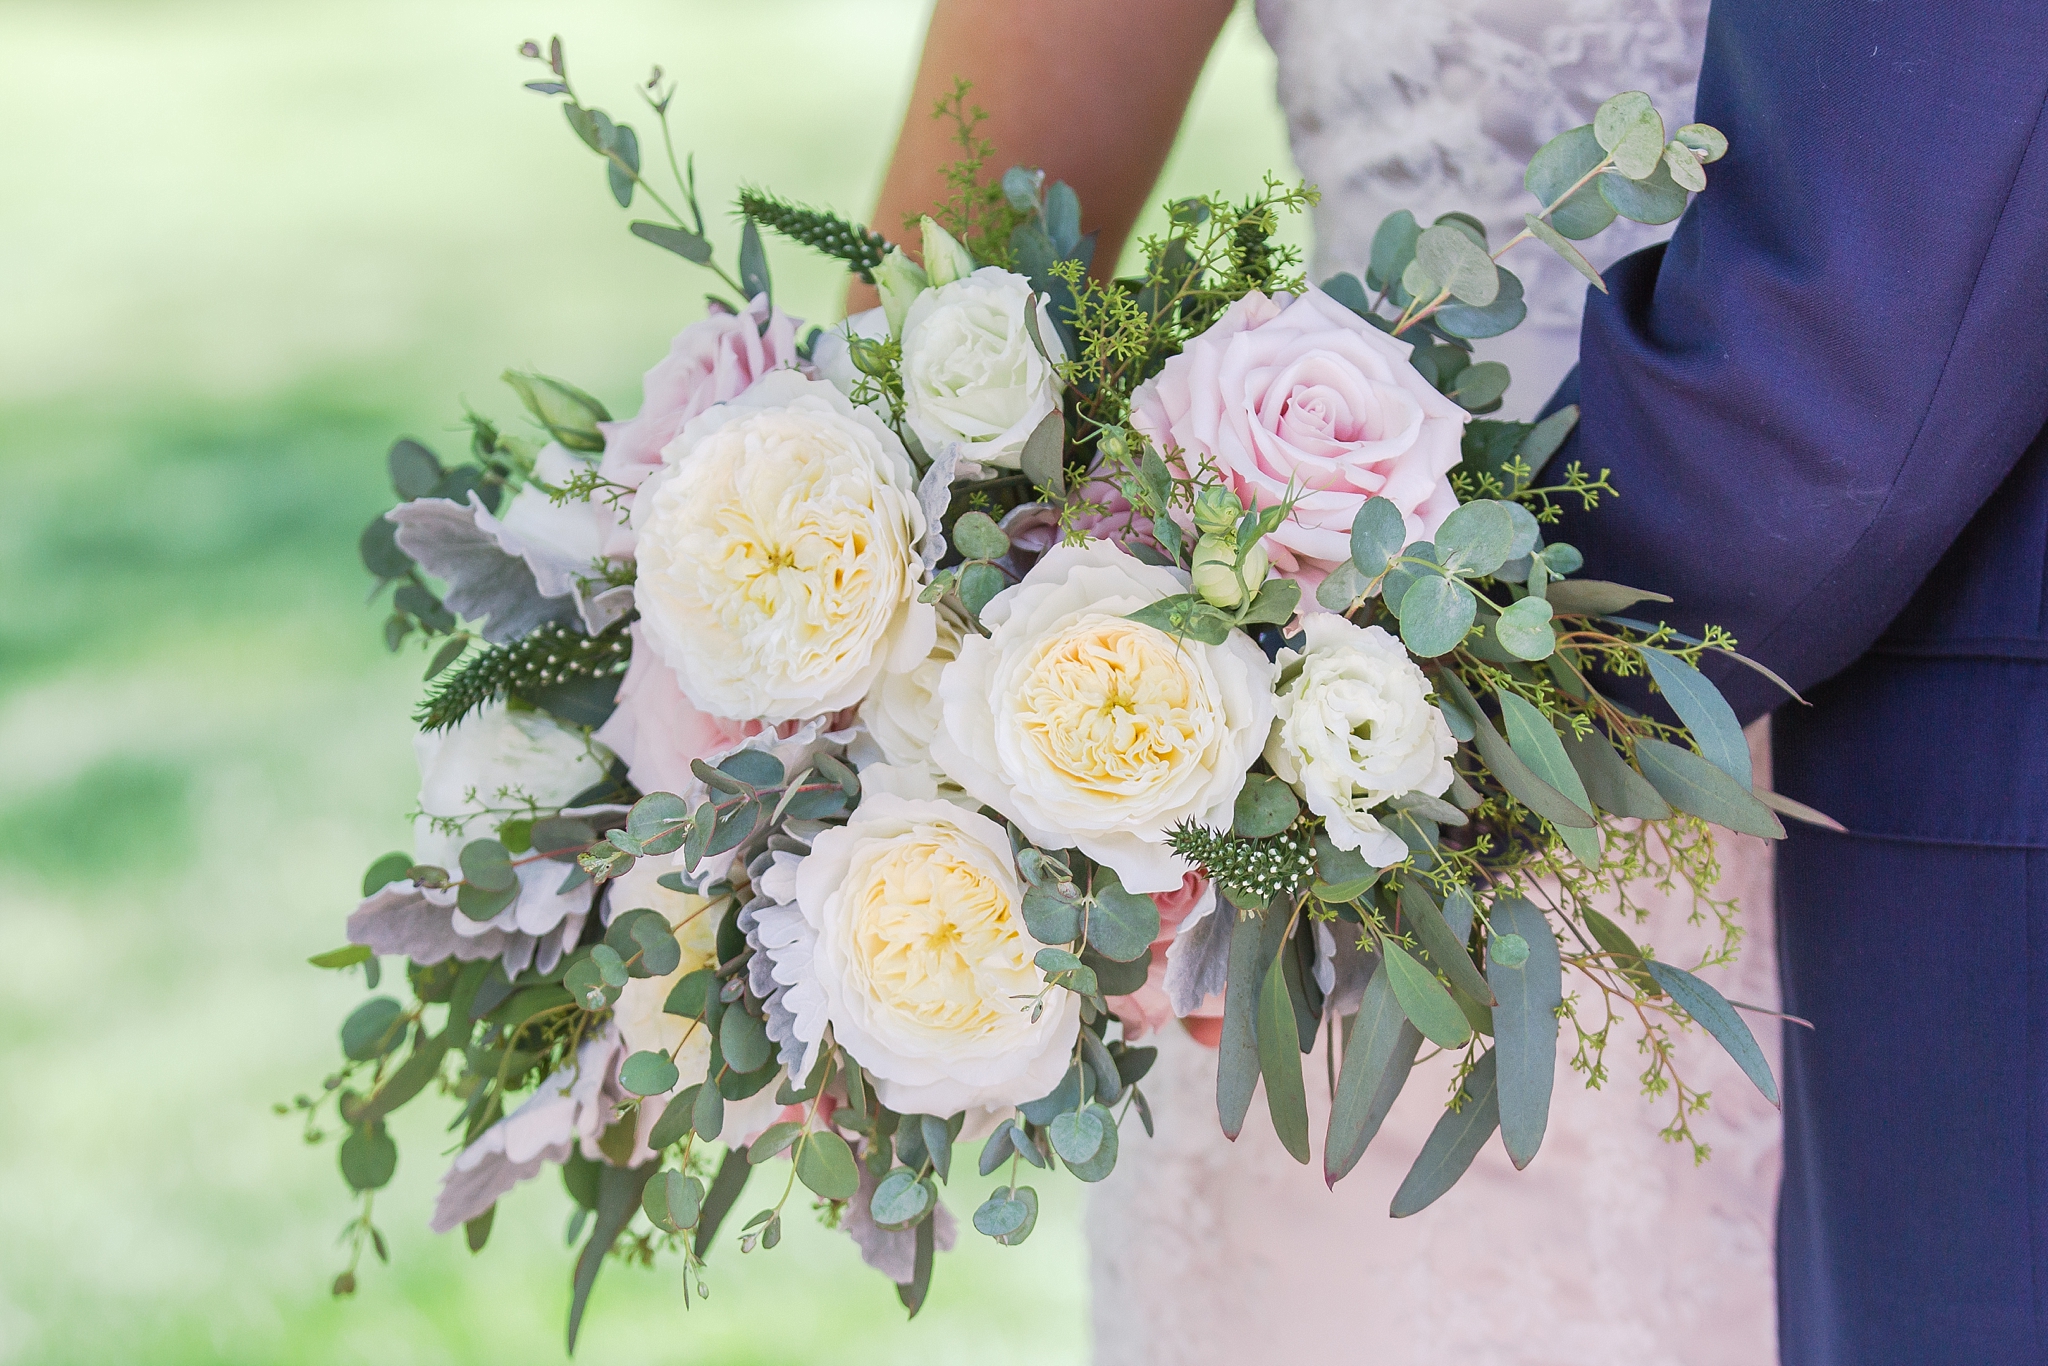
x=971 y=374
x=899 y=280
x=945 y=260
x=1216 y=574
x=1217 y=510
x=1356 y=727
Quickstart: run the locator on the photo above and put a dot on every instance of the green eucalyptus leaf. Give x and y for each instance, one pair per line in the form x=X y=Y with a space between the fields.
x=1103 y=1161
x=1527 y=988
x=1476 y=537
x=1534 y=740
x=1237 y=1062
x=1683 y=166
x=1595 y=597
x=1279 y=1049
x=674 y=1124
x=900 y=1200
x=1453 y=1143
x=1628 y=127
x=1655 y=198
x=1478 y=388
x=372 y=1029
x=753 y=262
x=1558 y=165
x=1697 y=787
x=1051 y=918
x=1423 y=998
x=1446 y=949
x=1378 y=1054
x=1043 y=460
x=368 y=1158
x=826 y=1165
x=1436 y=614
x=1573 y=257
x=1610 y=782
x=1703 y=137
x=1712 y=1011
x=1393 y=247
x=1524 y=629
x=1504 y=314
x=1628 y=958
x=1704 y=711
x=1507 y=766
x=648 y=1073
x=1450 y=256
x=979 y=584
x=1077 y=1136
x=1121 y=924
x=978 y=537
x=682 y=242
x=1378 y=535
x=743 y=1039
x=1265 y=807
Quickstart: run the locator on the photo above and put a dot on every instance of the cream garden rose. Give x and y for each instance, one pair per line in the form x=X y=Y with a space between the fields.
x=1090 y=730
x=910 y=944
x=971 y=373
x=779 y=565
x=1356 y=727
x=902 y=712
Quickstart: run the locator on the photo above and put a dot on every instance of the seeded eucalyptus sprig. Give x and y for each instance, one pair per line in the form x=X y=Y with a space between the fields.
x=861 y=248
x=554 y=655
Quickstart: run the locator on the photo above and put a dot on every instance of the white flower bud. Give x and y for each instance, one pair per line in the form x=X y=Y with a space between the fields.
x=945 y=260
x=1217 y=510
x=899 y=280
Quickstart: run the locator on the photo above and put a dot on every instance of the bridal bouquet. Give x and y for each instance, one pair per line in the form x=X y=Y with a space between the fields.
x=849 y=757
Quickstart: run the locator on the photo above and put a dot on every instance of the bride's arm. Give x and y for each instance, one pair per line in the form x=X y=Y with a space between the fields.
x=1090 y=90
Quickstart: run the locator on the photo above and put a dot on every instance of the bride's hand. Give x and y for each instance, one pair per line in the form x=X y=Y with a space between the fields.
x=1092 y=91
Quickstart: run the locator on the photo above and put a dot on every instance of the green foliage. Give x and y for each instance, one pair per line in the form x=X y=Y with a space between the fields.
x=1251 y=872
x=533 y=669
x=819 y=229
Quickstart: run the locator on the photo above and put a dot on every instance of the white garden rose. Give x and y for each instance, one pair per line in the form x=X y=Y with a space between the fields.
x=1091 y=730
x=902 y=711
x=642 y=1023
x=971 y=373
x=909 y=942
x=779 y=554
x=1356 y=727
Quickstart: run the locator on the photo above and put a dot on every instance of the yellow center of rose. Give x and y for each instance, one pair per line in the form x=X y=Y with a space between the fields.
x=936 y=934
x=1112 y=705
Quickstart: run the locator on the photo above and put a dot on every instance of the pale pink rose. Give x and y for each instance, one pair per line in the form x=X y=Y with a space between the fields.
x=1116 y=522
x=1305 y=392
x=709 y=362
x=658 y=731
x=1147 y=1010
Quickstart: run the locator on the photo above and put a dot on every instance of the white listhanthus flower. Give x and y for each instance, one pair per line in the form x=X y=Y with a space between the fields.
x=1355 y=728
x=1091 y=730
x=902 y=711
x=779 y=564
x=903 y=931
x=971 y=373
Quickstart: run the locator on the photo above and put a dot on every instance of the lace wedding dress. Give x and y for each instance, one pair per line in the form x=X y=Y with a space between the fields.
x=1612 y=1249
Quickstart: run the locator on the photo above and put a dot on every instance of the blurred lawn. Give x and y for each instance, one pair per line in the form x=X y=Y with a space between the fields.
x=242 y=246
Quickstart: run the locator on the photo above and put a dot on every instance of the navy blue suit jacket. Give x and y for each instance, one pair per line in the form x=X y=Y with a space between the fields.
x=1824 y=404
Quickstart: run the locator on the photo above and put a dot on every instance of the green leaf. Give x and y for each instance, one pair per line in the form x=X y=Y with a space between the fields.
x=1628 y=126
x=753 y=262
x=618 y=1196
x=1417 y=282
x=1378 y=535
x=1711 y=1010
x=1279 y=1049
x=979 y=584
x=1237 y=1061
x=1610 y=782
x=1378 y=1052
x=415 y=471
x=1535 y=742
x=900 y=1200
x=707 y=1116
x=825 y=1164
x=733 y=1171
x=1545 y=437
x=938 y=1143
x=1000 y=1215
x=1703 y=137
x=674 y=1124
x=1527 y=992
x=1436 y=615
x=1265 y=807
x=1453 y=1143
x=1076 y=1136
x=1450 y=256
x=1342 y=588
x=368 y=1158
x=1478 y=389
x=1595 y=597
x=1103 y=1162
x=1423 y=998
x=979 y=538
x=1683 y=166
x=743 y=1039
x=1446 y=950
x=1504 y=314
x=687 y=245
x=1273 y=604
x=1524 y=629
x=1507 y=767
x=1784 y=806
x=1656 y=198
x=1704 y=711
x=1476 y=537
x=623 y=144
x=672 y=1200
x=1121 y=924
x=1051 y=918
x=1558 y=165
x=1043 y=460
x=689 y=996
x=372 y=1029
x=1393 y=247
x=378 y=547
x=1628 y=958
x=648 y=1073
x=1697 y=787
x=346 y=956
x=488 y=866
x=1552 y=238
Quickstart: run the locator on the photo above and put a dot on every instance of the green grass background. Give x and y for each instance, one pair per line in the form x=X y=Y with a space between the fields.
x=242 y=247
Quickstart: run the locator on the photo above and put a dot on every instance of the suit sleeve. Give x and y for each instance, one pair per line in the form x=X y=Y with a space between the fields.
x=1843 y=350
